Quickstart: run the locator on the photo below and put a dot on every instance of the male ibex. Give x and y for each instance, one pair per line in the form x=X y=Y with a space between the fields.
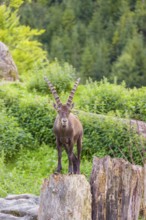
x=68 y=130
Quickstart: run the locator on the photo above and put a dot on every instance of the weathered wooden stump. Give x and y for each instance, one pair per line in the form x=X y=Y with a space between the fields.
x=116 y=188
x=65 y=197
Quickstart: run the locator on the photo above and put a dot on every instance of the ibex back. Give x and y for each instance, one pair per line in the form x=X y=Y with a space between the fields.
x=68 y=130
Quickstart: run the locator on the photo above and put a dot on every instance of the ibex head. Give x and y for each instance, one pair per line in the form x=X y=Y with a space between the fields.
x=63 y=109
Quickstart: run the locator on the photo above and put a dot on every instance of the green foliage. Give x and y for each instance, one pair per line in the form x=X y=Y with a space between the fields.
x=60 y=76
x=130 y=66
x=36 y=116
x=26 y=173
x=16 y=179
x=101 y=138
x=33 y=113
x=30 y=59
x=20 y=39
x=12 y=136
x=96 y=62
x=100 y=39
x=104 y=97
x=112 y=99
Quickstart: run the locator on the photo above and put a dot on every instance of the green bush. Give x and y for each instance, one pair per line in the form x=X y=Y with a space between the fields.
x=138 y=103
x=32 y=111
x=111 y=136
x=61 y=76
x=112 y=99
x=103 y=97
x=37 y=117
x=12 y=137
x=102 y=135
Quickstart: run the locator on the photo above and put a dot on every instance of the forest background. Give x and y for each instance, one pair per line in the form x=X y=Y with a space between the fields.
x=99 y=38
x=104 y=43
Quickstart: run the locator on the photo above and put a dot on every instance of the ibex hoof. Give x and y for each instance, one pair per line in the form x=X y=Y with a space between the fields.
x=56 y=173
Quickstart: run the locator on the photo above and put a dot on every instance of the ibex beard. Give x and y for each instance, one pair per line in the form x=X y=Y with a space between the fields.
x=68 y=130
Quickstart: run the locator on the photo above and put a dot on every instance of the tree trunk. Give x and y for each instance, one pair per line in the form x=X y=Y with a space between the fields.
x=65 y=197
x=116 y=188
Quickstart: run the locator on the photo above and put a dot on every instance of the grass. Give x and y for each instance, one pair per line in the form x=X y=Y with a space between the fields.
x=25 y=173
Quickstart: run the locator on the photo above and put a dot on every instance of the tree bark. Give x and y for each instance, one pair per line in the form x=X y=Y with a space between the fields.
x=65 y=197
x=116 y=188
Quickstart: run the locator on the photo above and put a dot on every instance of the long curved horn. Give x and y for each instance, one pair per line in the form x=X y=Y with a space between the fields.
x=70 y=98
x=53 y=90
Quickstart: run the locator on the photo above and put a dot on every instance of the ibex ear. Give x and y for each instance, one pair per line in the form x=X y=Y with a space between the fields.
x=55 y=106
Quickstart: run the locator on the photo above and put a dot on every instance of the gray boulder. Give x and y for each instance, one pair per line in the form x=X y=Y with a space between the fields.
x=8 y=69
x=19 y=207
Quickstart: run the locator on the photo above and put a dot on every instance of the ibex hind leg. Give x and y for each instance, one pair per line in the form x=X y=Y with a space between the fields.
x=75 y=166
x=79 y=149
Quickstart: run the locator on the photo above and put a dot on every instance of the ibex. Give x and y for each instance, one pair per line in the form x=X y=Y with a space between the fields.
x=68 y=130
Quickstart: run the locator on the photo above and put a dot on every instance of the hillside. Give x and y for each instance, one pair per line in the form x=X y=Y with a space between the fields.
x=99 y=38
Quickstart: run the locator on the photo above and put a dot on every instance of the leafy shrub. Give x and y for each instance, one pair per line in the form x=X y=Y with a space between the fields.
x=111 y=136
x=103 y=97
x=61 y=76
x=37 y=117
x=33 y=112
x=10 y=94
x=138 y=103
x=12 y=137
x=102 y=135
x=112 y=99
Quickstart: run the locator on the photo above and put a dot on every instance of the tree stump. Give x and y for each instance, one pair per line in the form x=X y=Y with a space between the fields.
x=65 y=197
x=116 y=188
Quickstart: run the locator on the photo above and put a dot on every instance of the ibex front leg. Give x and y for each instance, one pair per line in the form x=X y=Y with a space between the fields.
x=59 y=149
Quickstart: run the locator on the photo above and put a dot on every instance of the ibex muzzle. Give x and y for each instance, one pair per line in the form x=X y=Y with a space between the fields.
x=63 y=113
x=68 y=130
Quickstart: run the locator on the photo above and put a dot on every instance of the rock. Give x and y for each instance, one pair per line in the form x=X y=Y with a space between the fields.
x=65 y=197
x=8 y=69
x=21 y=207
x=10 y=217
